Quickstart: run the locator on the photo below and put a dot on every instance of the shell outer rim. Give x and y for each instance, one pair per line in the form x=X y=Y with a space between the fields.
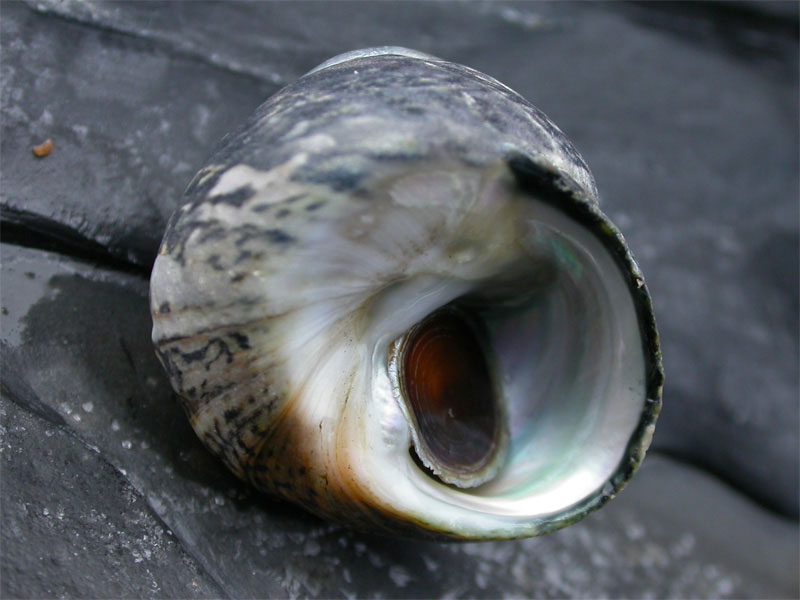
x=536 y=176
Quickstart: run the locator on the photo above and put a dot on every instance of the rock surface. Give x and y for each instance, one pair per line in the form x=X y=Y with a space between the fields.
x=93 y=438
x=688 y=119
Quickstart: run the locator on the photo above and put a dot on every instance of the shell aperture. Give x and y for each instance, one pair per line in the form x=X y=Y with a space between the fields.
x=398 y=267
x=452 y=400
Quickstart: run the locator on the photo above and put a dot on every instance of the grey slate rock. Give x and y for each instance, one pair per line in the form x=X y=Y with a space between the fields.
x=129 y=119
x=673 y=532
x=693 y=144
x=74 y=527
x=689 y=123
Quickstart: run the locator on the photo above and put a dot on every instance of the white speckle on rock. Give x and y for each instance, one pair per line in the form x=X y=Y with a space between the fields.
x=127 y=444
x=430 y=564
x=725 y=586
x=87 y=407
x=599 y=560
x=15 y=113
x=684 y=546
x=76 y=417
x=181 y=167
x=634 y=530
x=311 y=548
x=653 y=556
x=202 y=116
x=156 y=504
x=482 y=575
x=622 y=220
x=82 y=131
x=375 y=559
x=114 y=425
x=399 y=576
x=525 y=19
x=710 y=571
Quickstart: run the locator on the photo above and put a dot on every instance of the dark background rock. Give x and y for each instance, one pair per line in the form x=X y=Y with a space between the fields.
x=73 y=526
x=687 y=114
x=91 y=425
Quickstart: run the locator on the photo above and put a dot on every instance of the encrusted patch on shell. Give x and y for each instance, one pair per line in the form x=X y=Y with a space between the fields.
x=391 y=297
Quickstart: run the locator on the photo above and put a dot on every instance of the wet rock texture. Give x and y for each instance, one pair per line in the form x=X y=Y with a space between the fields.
x=688 y=118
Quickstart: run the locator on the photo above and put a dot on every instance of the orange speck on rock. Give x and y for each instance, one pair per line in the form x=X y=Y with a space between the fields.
x=43 y=149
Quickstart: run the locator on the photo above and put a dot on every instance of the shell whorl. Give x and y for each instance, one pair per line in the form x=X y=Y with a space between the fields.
x=373 y=184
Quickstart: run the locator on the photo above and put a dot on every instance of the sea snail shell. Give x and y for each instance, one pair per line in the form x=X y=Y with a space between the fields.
x=391 y=297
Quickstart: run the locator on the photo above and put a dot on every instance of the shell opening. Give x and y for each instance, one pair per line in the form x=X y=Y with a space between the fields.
x=448 y=386
x=563 y=345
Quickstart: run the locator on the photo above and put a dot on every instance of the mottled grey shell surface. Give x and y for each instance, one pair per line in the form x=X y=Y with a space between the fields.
x=345 y=198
